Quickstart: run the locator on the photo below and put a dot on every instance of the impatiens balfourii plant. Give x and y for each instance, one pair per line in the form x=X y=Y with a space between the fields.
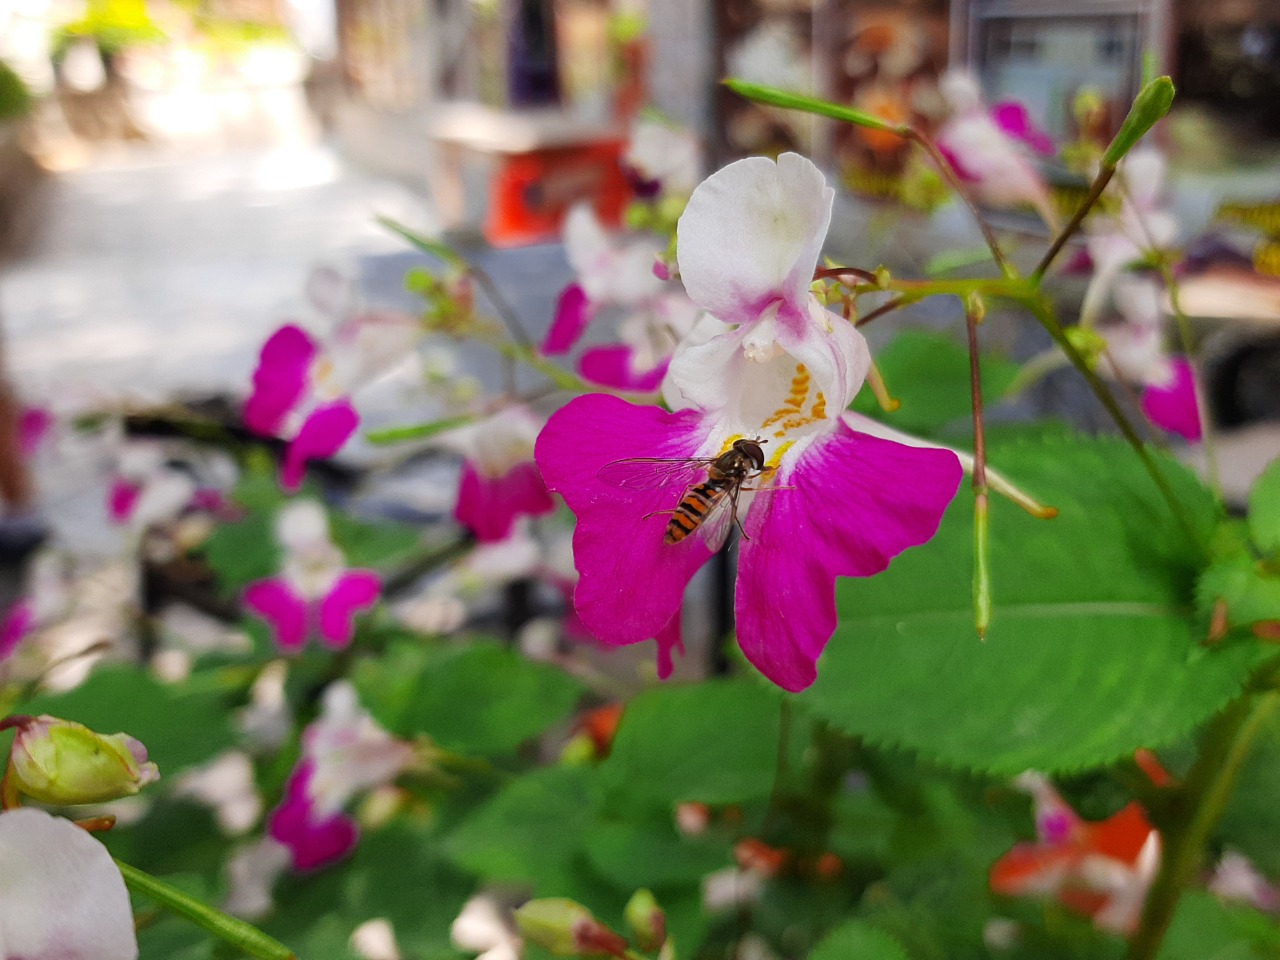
x=545 y=792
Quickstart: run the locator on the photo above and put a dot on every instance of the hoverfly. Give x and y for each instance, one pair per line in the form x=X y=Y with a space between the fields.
x=709 y=506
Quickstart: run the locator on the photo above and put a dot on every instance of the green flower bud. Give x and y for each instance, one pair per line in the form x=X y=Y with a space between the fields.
x=551 y=924
x=65 y=763
x=646 y=920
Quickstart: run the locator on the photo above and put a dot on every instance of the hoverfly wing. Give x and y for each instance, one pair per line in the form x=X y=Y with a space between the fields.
x=715 y=527
x=651 y=473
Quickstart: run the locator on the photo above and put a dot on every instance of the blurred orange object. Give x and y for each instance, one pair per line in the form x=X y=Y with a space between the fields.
x=530 y=193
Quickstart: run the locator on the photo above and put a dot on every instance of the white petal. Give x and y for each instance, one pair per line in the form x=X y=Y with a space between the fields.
x=251 y=873
x=375 y=940
x=165 y=494
x=302 y=524
x=61 y=896
x=351 y=752
x=480 y=926
x=752 y=233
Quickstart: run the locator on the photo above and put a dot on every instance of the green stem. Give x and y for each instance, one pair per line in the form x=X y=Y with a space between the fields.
x=560 y=377
x=246 y=937
x=962 y=192
x=1043 y=313
x=1095 y=191
x=1197 y=809
x=1036 y=369
x=973 y=313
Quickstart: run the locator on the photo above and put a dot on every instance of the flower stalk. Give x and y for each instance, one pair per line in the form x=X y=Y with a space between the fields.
x=246 y=937
x=973 y=313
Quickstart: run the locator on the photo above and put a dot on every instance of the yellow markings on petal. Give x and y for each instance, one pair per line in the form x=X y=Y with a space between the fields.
x=775 y=457
x=794 y=403
x=819 y=407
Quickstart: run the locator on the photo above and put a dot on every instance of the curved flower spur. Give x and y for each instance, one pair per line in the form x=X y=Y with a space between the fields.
x=770 y=362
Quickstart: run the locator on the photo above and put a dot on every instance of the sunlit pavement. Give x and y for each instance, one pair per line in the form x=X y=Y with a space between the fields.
x=155 y=275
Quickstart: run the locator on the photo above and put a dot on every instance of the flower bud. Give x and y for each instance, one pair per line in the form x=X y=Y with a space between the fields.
x=65 y=763
x=646 y=920
x=567 y=929
x=551 y=922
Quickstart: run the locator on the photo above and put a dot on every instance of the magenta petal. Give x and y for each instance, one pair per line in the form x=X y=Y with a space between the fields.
x=957 y=164
x=17 y=624
x=670 y=639
x=280 y=380
x=1012 y=117
x=631 y=582
x=612 y=367
x=322 y=435
x=852 y=503
x=355 y=590
x=489 y=508
x=122 y=497
x=33 y=426
x=1174 y=407
x=277 y=603
x=313 y=841
x=573 y=313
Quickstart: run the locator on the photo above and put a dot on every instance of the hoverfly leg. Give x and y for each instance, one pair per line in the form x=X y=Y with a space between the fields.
x=655 y=513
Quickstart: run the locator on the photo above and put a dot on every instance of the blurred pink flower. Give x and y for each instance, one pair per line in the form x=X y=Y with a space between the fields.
x=315 y=593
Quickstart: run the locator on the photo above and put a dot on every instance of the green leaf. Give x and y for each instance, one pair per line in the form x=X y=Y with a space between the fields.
x=397 y=873
x=1093 y=649
x=1264 y=510
x=858 y=939
x=1204 y=928
x=242 y=552
x=652 y=854
x=180 y=725
x=1150 y=106
x=1250 y=593
x=929 y=374
x=381 y=544
x=715 y=742
x=436 y=248
x=798 y=101
x=417 y=431
x=478 y=698
x=531 y=831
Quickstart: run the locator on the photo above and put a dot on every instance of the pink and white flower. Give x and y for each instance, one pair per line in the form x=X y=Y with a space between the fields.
x=500 y=481
x=1135 y=353
x=302 y=386
x=661 y=159
x=609 y=273
x=774 y=364
x=619 y=275
x=344 y=753
x=1102 y=870
x=315 y=593
x=1236 y=879
x=61 y=895
x=1117 y=241
x=991 y=149
x=147 y=489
